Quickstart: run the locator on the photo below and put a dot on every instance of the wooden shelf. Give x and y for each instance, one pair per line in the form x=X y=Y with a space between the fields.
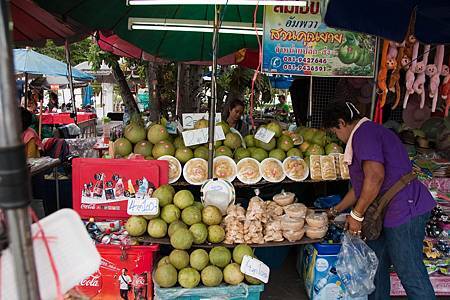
x=166 y=241
x=237 y=183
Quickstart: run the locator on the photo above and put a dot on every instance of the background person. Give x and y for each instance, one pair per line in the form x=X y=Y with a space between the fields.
x=282 y=109
x=233 y=117
x=30 y=138
x=124 y=284
x=377 y=160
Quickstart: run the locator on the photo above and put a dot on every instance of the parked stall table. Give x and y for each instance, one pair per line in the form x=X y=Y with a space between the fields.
x=64 y=118
x=42 y=165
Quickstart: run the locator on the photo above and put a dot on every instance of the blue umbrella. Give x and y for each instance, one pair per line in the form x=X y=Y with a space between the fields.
x=31 y=62
x=281 y=82
x=87 y=95
x=390 y=18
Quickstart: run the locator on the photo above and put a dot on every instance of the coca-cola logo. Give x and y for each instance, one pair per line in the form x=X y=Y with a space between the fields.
x=91 y=286
x=87 y=206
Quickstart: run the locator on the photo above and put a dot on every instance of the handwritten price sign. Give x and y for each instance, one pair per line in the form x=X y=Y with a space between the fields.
x=255 y=268
x=200 y=136
x=189 y=120
x=264 y=135
x=143 y=206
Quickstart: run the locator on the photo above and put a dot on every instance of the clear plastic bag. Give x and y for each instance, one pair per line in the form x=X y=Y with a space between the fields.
x=356 y=266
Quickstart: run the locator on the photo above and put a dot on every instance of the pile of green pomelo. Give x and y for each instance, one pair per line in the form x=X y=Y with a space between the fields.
x=154 y=142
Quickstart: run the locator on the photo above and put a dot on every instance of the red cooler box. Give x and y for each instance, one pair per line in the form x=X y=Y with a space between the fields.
x=102 y=189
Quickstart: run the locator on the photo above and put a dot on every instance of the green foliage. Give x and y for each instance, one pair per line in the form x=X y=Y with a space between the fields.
x=78 y=51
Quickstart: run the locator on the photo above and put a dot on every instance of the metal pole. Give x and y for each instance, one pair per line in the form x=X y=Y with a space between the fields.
x=310 y=101
x=25 y=102
x=69 y=77
x=212 y=103
x=15 y=191
x=374 y=89
x=177 y=104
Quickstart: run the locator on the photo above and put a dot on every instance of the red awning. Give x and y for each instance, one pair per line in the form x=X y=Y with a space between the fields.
x=33 y=26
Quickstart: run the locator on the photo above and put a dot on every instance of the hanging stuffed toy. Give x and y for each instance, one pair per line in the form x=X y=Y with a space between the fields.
x=419 y=83
x=394 y=85
x=410 y=75
x=410 y=42
x=445 y=88
x=382 y=74
x=434 y=72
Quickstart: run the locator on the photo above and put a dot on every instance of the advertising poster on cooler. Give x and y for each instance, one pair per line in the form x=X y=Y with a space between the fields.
x=296 y=42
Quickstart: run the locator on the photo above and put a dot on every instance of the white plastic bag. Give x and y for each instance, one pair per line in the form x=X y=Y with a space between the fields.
x=356 y=266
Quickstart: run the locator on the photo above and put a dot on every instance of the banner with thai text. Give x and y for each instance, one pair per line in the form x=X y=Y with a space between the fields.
x=296 y=42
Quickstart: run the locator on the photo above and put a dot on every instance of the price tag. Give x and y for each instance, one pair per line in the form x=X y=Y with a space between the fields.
x=264 y=135
x=143 y=206
x=190 y=119
x=255 y=268
x=200 y=136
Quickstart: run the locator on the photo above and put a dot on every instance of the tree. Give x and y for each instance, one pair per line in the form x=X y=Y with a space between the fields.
x=78 y=51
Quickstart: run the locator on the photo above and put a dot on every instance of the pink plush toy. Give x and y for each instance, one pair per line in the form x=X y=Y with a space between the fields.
x=419 y=84
x=392 y=51
x=410 y=74
x=435 y=75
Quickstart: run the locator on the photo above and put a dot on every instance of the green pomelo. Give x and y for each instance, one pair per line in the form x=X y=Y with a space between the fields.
x=199 y=232
x=232 y=274
x=189 y=278
x=241 y=153
x=149 y=157
x=314 y=150
x=157 y=133
x=191 y=215
x=181 y=239
x=277 y=154
x=136 y=226
x=211 y=215
x=252 y=280
x=134 y=133
x=199 y=259
x=174 y=226
x=294 y=152
x=319 y=138
x=259 y=154
x=217 y=144
x=309 y=133
x=249 y=140
x=275 y=127
x=220 y=256
x=333 y=148
x=285 y=143
x=163 y=148
x=198 y=204
x=202 y=123
x=184 y=154
x=216 y=234
x=266 y=146
x=232 y=140
x=170 y=213
x=164 y=194
x=151 y=217
x=225 y=127
x=163 y=261
x=304 y=146
x=223 y=151
x=179 y=259
x=240 y=251
x=122 y=147
x=166 y=276
x=201 y=152
x=211 y=276
x=183 y=199
x=143 y=147
x=178 y=142
x=157 y=228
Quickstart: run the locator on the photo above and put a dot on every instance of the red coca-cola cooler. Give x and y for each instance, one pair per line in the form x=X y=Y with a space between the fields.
x=101 y=190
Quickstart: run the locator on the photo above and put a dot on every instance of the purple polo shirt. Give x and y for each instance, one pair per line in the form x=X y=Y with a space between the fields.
x=374 y=142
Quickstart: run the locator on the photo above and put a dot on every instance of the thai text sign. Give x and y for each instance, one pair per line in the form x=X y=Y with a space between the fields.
x=296 y=42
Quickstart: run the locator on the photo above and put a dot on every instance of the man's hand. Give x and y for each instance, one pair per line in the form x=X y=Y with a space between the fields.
x=353 y=226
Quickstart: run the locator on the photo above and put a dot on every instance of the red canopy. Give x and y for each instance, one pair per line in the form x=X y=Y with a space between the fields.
x=34 y=25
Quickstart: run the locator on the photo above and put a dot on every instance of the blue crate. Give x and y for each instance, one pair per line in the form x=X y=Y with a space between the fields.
x=235 y=292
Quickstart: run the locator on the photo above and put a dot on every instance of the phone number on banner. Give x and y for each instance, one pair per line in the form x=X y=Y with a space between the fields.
x=304 y=68
x=308 y=60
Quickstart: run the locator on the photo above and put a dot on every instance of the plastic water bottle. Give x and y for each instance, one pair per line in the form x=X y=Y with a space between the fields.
x=126 y=116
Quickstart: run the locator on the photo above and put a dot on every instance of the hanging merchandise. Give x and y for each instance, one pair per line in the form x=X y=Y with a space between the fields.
x=411 y=67
x=419 y=83
x=434 y=72
x=296 y=42
x=445 y=87
x=382 y=74
x=394 y=85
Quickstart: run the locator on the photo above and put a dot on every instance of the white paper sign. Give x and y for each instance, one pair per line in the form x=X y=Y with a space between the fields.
x=190 y=119
x=264 y=135
x=200 y=136
x=143 y=206
x=255 y=268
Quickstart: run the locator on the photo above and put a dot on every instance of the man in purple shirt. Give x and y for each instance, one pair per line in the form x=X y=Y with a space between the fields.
x=377 y=160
